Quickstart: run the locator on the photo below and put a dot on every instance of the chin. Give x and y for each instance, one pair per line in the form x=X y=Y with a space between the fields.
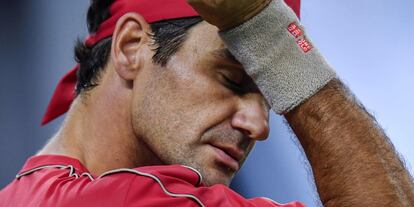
x=217 y=176
x=209 y=182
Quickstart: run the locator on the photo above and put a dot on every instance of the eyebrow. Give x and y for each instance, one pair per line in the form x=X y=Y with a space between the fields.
x=225 y=54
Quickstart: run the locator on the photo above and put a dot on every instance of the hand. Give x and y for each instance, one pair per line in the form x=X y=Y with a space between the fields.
x=226 y=14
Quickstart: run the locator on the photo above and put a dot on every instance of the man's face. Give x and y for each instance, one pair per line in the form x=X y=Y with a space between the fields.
x=201 y=109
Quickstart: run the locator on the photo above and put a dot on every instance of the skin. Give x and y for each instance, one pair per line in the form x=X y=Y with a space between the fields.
x=353 y=161
x=143 y=114
x=226 y=14
x=186 y=113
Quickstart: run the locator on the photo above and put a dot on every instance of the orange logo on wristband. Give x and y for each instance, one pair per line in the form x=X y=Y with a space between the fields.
x=294 y=29
x=305 y=45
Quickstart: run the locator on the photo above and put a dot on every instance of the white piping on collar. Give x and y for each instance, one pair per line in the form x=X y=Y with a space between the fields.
x=72 y=173
x=158 y=181
x=271 y=200
x=200 y=177
x=88 y=175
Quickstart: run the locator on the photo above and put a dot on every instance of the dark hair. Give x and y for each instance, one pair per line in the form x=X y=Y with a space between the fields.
x=168 y=36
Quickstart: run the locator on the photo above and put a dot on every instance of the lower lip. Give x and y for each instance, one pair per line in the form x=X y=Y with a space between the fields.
x=225 y=159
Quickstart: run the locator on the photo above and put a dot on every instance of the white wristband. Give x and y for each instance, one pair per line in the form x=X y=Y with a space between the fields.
x=275 y=51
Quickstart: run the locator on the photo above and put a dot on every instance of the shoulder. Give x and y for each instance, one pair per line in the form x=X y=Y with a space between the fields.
x=144 y=186
x=159 y=185
x=182 y=186
x=173 y=185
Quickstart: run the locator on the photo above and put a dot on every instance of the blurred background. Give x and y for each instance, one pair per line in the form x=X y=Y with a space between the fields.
x=368 y=42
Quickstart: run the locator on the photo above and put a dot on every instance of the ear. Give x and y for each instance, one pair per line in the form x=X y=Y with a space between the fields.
x=129 y=45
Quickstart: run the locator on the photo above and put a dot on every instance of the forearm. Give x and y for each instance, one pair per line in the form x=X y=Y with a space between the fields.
x=353 y=162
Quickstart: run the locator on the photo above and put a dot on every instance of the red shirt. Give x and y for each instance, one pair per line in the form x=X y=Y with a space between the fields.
x=51 y=180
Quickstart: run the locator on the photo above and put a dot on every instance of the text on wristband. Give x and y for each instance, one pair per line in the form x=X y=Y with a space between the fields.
x=297 y=32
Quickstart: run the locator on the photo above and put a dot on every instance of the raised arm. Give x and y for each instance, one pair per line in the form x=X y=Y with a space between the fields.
x=353 y=161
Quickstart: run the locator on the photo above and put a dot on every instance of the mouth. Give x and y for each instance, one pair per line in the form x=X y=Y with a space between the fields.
x=228 y=156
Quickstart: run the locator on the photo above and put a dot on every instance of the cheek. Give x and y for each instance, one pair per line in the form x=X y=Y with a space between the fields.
x=192 y=100
x=161 y=120
x=171 y=113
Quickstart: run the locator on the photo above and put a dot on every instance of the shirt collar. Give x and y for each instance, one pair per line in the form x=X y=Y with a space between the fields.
x=45 y=160
x=185 y=173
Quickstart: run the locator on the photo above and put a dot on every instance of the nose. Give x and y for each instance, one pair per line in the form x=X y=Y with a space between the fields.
x=252 y=117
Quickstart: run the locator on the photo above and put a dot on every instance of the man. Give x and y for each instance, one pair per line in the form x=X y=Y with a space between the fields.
x=169 y=121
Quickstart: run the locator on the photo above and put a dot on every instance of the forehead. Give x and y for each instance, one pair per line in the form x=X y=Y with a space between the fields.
x=204 y=38
x=204 y=43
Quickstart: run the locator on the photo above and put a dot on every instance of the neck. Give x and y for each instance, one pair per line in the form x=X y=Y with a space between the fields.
x=98 y=132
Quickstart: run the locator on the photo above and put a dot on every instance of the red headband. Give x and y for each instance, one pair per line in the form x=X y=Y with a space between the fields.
x=152 y=11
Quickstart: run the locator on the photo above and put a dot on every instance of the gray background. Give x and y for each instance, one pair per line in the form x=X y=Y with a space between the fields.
x=369 y=43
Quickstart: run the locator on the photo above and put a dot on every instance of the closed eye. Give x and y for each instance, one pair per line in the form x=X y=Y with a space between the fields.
x=232 y=85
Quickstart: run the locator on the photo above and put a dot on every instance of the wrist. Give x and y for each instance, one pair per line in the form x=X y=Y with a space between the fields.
x=243 y=15
x=276 y=52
